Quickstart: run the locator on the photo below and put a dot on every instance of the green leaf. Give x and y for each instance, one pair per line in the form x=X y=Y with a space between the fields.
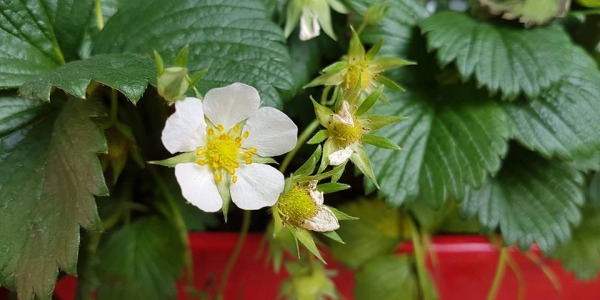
x=377 y=232
x=531 y=200
x=141 y=261
x=49 y=174
x=529 y=12
x=29 y=45
x=582 y=254
x=563 y=120
x=387 y=277
x=127 y=73
x=70 y=18
x=447 y=145
x=235 y=40
x=502 y=59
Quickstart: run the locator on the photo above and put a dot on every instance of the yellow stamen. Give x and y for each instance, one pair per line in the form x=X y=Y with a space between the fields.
x=248 y=155
x=224 y=136
x=218 y=177
x=211 y=131
x=248 y=161
x=220 y=127
x=246 y=134
x=201 y=162
x=200 y=152
x=234 y=179
x=238 y=139
x=215 y=165
x=252 y=150
x=236 y=128
x=231 y=171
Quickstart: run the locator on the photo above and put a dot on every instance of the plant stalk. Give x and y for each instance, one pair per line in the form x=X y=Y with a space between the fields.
x=99 y=16
x=235 y=254
x=499 y=274
x=420 y=261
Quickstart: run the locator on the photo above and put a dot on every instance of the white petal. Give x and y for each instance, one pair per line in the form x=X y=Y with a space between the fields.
x=343 y=115
x=230 y=105
x=314 y=193
x=324 y=221
x=271 y=132
x=198 y=186
x=185 y=130
x=341 y=156
x=309 y=26
x=257 y=186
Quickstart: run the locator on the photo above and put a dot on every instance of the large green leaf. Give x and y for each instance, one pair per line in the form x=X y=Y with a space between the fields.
x=531 y=200
x=140 y=261
x=49 y=174
x=387 y=277
x=29 y=46
x=127 y=73
x=376 y=232
x=563 y=120
x=70 y=19
x=447 y=145
x=233 y=39
x=502 y=59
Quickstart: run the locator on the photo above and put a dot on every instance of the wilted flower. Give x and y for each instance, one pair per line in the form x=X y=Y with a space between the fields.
x=360 y=70
x=303 y=206
x=225 y=140
x=313 y=15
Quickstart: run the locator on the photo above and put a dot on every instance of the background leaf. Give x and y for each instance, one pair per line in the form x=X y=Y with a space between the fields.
x=531 y=200
x=447 y=145
x=563 y=120
x=140 y=261
x=127 y=73
x=233 y=39
x=29 y=46
x=529 y=12
x=387 y=277
x=49 y=174
x=69 y=18
x=502 y=59
x=377 y=232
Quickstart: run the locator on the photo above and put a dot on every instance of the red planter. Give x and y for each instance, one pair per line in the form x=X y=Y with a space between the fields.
x=465 y=270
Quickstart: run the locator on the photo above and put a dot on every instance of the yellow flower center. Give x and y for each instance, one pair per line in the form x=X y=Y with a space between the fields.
x=345 y=134
x=223 y=152
x=359 y=70
x=296 y=205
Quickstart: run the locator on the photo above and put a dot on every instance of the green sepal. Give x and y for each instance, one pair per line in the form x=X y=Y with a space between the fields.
x=309 y=166
x=187 y=157
x=320 y=136
x=181 y=59
x=392 y=62
x=332 y=187
x=368 y=103
x=328 y=148
x=335 y=67
x=334 y=236
x=325 y=79
x=338 y=6
x=325 y=175
x=324 y=16
x=341 y=216
x=361 y=160
x=292 y=17
x=263 y=160
x=377 y=121
x=160 y=64
x=277 y=223
x=323 y=113
x=374 y=50
x=337 y=172
x=287 y=185
x=379 y=141
x=197 y=76
x=306 y=239
x=356 y=50
x=390 y=84
x=223 y=188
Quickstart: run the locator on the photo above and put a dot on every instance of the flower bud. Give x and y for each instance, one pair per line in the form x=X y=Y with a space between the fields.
x=173 y=83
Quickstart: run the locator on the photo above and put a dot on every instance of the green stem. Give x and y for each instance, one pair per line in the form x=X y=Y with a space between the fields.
x=99 y=16
x=304 y=136
x=499 y=274
x=520 y=279
x=420 y=261
x=175 y=213
x=236 y=252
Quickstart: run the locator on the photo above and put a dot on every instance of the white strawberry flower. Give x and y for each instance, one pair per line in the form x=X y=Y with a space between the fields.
x=224 y=138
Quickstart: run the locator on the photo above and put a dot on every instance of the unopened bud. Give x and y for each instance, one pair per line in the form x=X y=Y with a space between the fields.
x=173 y=83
